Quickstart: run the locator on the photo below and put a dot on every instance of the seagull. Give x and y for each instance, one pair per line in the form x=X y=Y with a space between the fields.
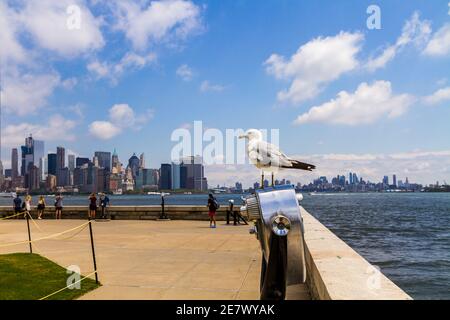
x=265 y=155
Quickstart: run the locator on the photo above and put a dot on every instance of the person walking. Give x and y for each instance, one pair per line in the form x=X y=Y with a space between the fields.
x=58 y=205
x=92 y=206
x=41 y=207
x=104 y=204
x=213 y=205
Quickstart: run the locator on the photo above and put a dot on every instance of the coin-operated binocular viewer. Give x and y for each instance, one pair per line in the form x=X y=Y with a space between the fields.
x=279 y=228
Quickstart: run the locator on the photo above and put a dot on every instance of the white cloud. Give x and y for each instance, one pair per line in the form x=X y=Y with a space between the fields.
x=57 y=128
x=12 y=50
x=121 y=116
x=130 y=61
x=104 y=130
x=439 y=44
x=24 y=94
x=437 y=97
x=158 y=21
x=69 y=83
x=315 y=64
x=206 y=86
x=48 y=20
x=366 y=105
x=415 y=31
x=185 y=72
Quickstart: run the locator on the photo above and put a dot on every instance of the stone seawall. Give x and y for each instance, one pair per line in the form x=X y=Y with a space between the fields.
x=132 y=212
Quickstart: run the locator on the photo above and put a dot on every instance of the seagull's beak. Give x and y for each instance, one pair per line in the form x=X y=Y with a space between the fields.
x=243 y=136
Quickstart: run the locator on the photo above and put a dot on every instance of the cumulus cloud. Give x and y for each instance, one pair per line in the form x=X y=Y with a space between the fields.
x=12 y=50
x=206 y=86
x=52 y=26
x=315 y=64
x=415 y=31
x=145 y=23
x=24 y=94
x=121 y=116
x=112 y=71
x=437 y=97
x=185 y=72
x=439 y=44
x=366 y=105
x=57 y=128
x=419 y=166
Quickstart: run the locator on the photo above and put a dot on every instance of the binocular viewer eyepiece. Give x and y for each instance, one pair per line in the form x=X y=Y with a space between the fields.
x=278 y=225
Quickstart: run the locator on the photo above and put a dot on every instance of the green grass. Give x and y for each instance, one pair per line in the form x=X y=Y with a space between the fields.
x=25 y=276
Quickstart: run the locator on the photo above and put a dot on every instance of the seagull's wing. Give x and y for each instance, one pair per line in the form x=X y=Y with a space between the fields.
x=269 y=155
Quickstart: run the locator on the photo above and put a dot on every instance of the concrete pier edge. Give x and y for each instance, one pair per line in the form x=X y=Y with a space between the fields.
x=334 y=270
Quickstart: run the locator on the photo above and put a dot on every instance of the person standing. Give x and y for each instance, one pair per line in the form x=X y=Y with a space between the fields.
x=58 y=206
x=17 y=204
x=92 y=206
x=104 y=204
x=28 y=204
x=41 y=207
x=213 y=205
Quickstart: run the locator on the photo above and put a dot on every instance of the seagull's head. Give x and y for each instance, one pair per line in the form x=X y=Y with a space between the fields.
x=252 y=134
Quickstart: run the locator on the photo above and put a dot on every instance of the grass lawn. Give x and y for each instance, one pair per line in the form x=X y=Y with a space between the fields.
x=25 y=276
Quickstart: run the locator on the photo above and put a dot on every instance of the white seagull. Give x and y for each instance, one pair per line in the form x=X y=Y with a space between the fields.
x=265 y=155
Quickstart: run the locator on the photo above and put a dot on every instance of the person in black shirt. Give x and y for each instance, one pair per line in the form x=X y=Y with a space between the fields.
x=212 y=207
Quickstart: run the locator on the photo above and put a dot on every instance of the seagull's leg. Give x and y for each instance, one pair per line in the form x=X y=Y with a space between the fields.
x=262 y=179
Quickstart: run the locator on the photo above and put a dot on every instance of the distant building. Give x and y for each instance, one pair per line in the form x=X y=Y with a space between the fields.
x=104 y=160
x=133 y=164
x=51 y=164
x=165 y=182
x=176 y=176
x=81 y=161
x=71 y=162
x=27 y=155
x=142 y=161
x=50 y=182
x=14 y=164
x=394 y=180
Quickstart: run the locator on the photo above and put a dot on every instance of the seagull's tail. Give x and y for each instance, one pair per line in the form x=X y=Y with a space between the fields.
x=300 y=165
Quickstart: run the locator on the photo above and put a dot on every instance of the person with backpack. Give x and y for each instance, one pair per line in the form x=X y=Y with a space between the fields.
x=92 y=206
x=213 y=205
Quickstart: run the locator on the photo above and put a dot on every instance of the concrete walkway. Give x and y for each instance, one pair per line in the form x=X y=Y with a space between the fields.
x=154 y=260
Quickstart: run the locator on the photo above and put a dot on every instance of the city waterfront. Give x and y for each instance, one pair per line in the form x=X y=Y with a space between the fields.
x=405 y=234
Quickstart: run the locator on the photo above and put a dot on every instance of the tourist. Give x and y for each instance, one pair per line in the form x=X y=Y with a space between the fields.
x=92 y=206
x=104 y=203
x=58 y=206
x=41 y=207
x=17 y=204
x=28 y=204
x=213 y=205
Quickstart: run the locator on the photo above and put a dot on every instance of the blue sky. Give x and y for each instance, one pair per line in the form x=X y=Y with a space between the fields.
x=113 y=83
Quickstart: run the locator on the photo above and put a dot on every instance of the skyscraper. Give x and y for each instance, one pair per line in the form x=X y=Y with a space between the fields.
x=51 y=164
x=14 y=164
x=133 y=164
x=115 y=161
x=192 y=175
x=104 y=160
x=27 y=155
x=165 y=180
x=350 y=178
x=142 y=161
x=176 y=177
x=81 y=161
x=60 y=158
x=71 y=160
x=394 y=180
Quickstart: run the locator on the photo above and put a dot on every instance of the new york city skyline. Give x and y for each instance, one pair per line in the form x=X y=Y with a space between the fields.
x=122 y=80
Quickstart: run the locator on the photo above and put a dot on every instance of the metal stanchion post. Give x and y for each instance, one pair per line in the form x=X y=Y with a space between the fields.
x=93 y=249
x=29 y=232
